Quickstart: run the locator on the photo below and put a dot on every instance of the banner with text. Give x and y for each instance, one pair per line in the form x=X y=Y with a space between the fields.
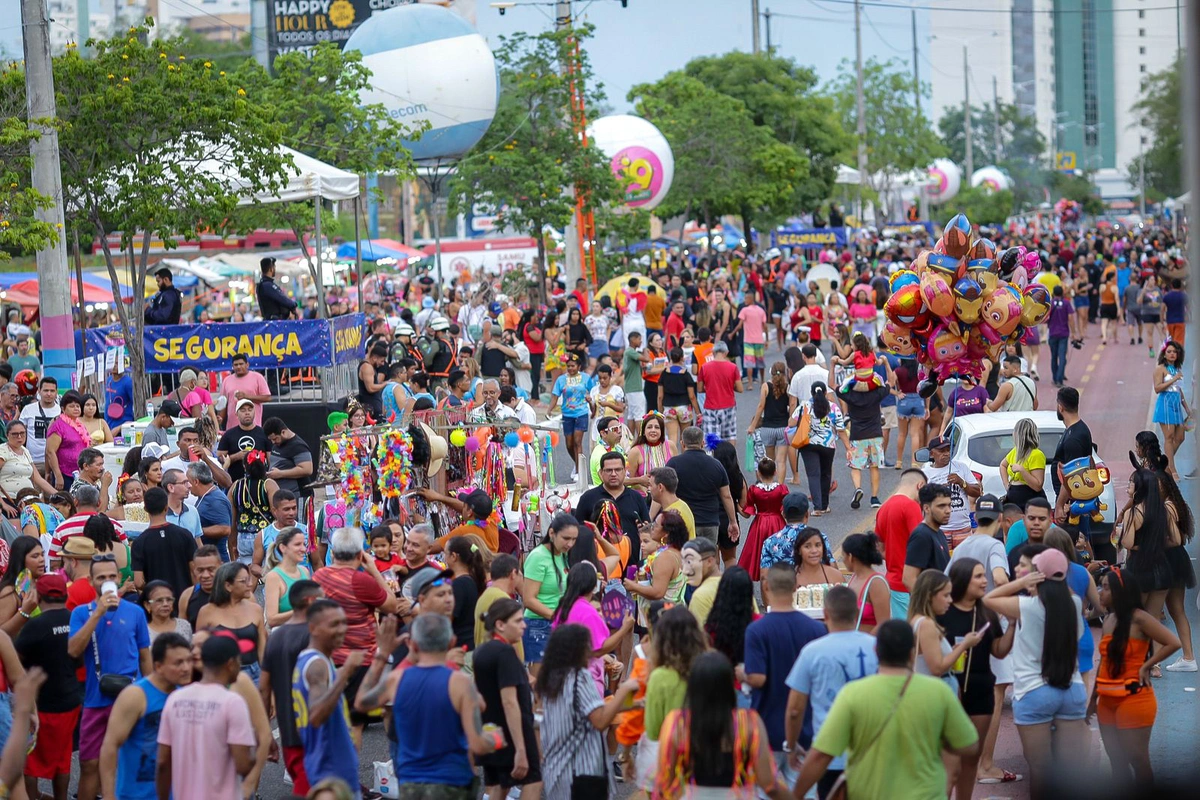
x=349 y=334
x=809 y=237
x=170 y=348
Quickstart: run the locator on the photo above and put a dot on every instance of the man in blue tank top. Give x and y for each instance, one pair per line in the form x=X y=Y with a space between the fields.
x=322 y=718
x=129 y=754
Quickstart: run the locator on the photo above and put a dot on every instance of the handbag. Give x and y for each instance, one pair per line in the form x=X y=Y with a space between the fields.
x=111 y=684
x=803 y=429
x=839 y=790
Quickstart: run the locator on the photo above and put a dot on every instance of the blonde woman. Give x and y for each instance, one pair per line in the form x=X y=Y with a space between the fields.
x=1023 y=469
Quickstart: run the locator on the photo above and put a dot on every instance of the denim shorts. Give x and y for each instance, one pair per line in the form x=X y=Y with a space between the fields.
x=773 y=437
x=910 y=406
x=575 y=424
x=1046 y=704
x=537 y=633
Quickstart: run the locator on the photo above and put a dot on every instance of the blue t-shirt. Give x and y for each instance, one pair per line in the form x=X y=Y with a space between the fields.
x=328 y=749
x=1176 y=303
x=271 y=533
x=572 y=394
x=138 y=757
x=118 y=395
x=1017 y=536
x=1123 y=274
x=773 y=642
x=214 y=509
x=120 y=635
x=187 y=519
x=1077 y=579
x=825 y=666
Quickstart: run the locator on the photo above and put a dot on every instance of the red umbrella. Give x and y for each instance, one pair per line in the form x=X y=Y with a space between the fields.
x=25 y=293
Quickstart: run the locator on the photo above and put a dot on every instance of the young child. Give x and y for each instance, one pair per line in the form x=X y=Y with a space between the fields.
x=765 y=500
x=631 y=725
x=385 y=560
x=864 y=360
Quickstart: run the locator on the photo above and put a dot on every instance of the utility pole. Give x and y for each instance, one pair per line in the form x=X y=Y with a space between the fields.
x=54 y=303
x=1191 y=160
x=754 y=38
x=970 y=165
x=916 y=67
x=767 y=18
x=860 y=110
x=995 y=122
x=1141 y=175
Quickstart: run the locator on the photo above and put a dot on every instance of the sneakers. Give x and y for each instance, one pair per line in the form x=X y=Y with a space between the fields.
x=875 y=502
x=857 y=501
x=1131 y=340
x=1182 y=665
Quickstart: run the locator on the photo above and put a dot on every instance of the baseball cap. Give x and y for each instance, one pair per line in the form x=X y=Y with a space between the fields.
x=78 y=547
x=53 y=586
x=939 y=442
x=245 y=401
x=425 y=578
x=795 y=505
x=171 y=407
x=987 y=508
x=1051 y=563
x=154 y=450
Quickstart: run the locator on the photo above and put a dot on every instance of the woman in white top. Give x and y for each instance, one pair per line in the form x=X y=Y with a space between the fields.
x=1049 y=698
x=16 y=469
x=931 y=598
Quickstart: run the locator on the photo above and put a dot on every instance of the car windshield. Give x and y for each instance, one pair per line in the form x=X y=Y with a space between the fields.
x=990 y=449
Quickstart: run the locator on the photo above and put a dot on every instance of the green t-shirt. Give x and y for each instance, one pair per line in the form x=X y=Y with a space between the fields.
x=539 y=566
x=631 y=365
x=905 y=762
x=665 y=691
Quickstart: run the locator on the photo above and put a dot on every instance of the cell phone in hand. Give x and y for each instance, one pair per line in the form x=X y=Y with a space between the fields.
x=983 y=630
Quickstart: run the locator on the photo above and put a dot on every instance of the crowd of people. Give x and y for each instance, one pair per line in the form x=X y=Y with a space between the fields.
x=684 y=630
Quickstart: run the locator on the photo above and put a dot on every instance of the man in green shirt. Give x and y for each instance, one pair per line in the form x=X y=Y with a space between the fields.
x=608 y=433
x=631 y=368
x=23 y=360
x=700 y=566
x=893 y=726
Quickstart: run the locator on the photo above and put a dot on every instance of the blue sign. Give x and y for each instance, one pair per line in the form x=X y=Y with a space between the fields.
x=349 y=333
x=809 y=237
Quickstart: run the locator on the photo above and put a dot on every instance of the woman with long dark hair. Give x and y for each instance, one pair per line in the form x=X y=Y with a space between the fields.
x=775 y=405
x=861 y=553
x=827 y=424
x=654 y=361
x=1123 y=699
x=596 y=550
x=813 y=561
x=1082 y=586
x=936 y=657
x=661 y=575
x=966 y=616
x=545 y=571
x=150 y=471
x=231 y=606
x=651 y=449
x=677 y=643
x=25 y=553
x=470 y=579
x=1170 y=408
x=1148 y=531
x=579 y=338
x=726 y=455
x=576 y=608
x=1050 y=701
x=732 y=612
x=250 y=497
x=100 y=529
x=574 y=717
x=711 y=748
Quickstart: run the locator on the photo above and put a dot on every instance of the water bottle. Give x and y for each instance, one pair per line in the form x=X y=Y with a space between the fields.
x=150 y=409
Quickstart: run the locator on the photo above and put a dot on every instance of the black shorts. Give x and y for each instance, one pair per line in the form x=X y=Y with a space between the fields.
x=978 y=698
x=497 y=769
x=356 y=717
x=1108 y=311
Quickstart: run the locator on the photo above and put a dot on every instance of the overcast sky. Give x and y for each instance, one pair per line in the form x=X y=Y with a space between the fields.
x=652 y=37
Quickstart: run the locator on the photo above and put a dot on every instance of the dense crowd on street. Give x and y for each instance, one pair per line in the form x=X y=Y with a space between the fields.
x=686 y=630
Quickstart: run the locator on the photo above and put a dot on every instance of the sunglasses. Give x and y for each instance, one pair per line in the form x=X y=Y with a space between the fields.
x=438 y=582
x=100 y=558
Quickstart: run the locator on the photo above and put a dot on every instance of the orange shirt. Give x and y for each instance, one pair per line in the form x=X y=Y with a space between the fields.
x=512 y=317
x=1108 y=294
x=489 y=533
x=631 y=724
x=701 y=353
x=655 y=305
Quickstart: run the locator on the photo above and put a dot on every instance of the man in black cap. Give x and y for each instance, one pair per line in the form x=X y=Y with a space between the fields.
x=272 y=302
x=167 y=304
x=986 y=544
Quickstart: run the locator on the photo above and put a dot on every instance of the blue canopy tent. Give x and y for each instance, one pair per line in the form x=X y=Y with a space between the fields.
x=373 y=250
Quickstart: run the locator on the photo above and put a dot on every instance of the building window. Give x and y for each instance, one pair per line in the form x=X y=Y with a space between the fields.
x=1141 y=51
x=1141 y=13
x=1142 y=32
x=1141 y=67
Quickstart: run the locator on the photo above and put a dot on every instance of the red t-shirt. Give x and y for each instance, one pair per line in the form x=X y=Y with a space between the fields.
x=359 y=595
x=80 y=592
x=897 y=518
x=719 y=378
x=674 y=328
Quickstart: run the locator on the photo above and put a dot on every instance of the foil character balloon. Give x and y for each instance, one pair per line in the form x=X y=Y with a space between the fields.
x=1035 y=305
x=984 y=272
x=1000 y=315
x=936 y=282
x=920 y=262
x=901 y=278
x=906 y=307
x=1083 y=480
x=968 y=300
x=899 y=339
x=946 y=349
x=1009 y=260
x=956 y=237
x=982 y=248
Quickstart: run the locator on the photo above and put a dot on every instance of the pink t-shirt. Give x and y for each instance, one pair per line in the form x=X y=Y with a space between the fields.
x=197 y=397
x=199 y=723
x=252 y=383
x=754 y=324
x=585 y=614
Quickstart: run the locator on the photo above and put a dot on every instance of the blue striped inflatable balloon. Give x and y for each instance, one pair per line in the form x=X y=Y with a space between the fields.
x=429 y=65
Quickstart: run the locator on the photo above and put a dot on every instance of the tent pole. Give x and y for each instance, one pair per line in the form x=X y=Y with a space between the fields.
x=362 y=298
x=320 y=270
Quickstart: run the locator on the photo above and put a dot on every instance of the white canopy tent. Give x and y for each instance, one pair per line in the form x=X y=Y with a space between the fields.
x=308 y=179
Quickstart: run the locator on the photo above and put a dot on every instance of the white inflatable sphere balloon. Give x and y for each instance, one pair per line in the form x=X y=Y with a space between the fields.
x=640 y=156
x=429 y=65
x=945 y=179
x=991 y=178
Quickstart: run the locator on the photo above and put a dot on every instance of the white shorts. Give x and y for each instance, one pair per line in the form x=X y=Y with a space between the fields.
x=635 y=409
x=889 y=417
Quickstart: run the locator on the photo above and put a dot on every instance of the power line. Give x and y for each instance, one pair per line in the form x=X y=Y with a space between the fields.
x=883 y=38
x=967 y=10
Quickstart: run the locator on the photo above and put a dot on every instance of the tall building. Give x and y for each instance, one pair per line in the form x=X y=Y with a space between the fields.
x=1077 y=66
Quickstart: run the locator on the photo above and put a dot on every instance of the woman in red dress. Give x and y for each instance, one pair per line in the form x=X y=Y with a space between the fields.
x=765 y=500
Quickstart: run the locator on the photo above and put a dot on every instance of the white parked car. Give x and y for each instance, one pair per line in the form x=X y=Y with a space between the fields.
x=982 y=440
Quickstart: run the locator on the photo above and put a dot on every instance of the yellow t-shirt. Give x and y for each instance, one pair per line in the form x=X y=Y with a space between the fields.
x=1049 y=280
x=686 y=513
x=490 y=595
x=1035 y=460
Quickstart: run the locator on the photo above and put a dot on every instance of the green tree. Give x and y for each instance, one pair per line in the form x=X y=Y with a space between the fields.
x=525 y=167
x=1159 y=111
x=618 y=228
x=314 y=98
x=982 y=206
x=783 y=96
x=724 y=163
x=1078 y=188
x=1022 y=150
x=899 y=138
x=20 y=229
x=153 y=145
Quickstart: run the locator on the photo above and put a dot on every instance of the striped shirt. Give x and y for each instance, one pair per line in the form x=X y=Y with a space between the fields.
x=74 y=527
x=571 y=745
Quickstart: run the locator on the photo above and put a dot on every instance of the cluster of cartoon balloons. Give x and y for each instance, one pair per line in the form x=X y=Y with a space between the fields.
x=961 y=302
x=483 y=435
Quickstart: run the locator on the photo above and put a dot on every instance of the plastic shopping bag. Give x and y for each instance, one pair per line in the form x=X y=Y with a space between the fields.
x=385 y=779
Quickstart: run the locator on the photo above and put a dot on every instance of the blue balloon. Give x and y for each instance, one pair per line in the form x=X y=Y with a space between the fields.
x=511 y=439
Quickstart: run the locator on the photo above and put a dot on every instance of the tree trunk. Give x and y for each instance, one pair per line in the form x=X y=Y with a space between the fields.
x=540 y=272
x=708 y=228
x=746 y=223
x=131 y=329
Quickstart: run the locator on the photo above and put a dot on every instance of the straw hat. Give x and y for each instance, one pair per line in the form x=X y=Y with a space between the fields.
x=437 y=450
